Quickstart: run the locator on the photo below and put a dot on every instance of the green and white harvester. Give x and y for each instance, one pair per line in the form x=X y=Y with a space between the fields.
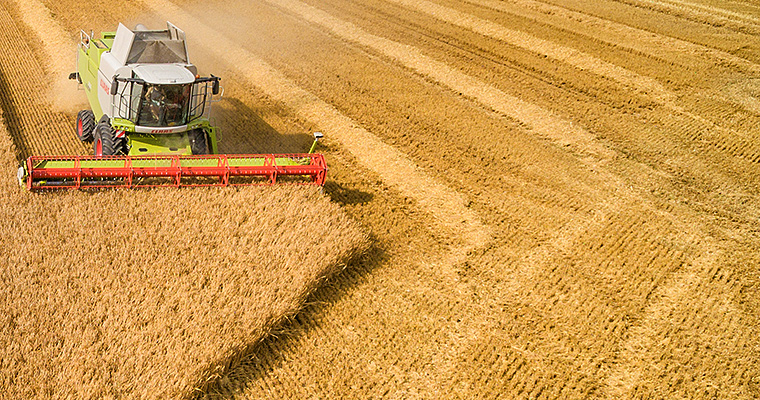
x=149 y=123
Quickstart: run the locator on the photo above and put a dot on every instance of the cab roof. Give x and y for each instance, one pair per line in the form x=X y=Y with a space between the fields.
x=164 y=74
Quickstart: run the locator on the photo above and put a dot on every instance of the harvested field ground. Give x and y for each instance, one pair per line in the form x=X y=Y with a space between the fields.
x=563 y=195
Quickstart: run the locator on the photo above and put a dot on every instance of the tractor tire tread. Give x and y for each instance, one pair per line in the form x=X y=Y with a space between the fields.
x=111 y=145
x=87 y=119
x=198 y=141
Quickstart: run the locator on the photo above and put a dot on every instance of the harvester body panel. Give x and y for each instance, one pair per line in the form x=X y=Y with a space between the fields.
x=88 y=67
x=157 y=90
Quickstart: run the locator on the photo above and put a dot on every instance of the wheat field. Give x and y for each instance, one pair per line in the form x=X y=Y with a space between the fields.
x=153 y=294
x=562 y=195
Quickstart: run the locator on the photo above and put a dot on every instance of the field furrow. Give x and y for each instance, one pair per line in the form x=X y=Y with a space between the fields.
x=540 y=120
x=667 y=136
x=544 y=48
x=562 y=195
x=704 y=29
x=707 y=10
x=634 y=39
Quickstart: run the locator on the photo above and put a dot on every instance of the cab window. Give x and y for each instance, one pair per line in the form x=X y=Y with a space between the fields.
x=164 y=105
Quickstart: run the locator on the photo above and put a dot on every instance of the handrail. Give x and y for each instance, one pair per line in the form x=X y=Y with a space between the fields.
x=85 y=39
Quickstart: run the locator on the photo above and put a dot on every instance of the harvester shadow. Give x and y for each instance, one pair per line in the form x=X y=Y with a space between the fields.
x=272 y=351
x=346 y=196
x=243 y=131
x=13 y=120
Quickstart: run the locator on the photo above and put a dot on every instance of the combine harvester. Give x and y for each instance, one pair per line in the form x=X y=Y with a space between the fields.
x=149 y=123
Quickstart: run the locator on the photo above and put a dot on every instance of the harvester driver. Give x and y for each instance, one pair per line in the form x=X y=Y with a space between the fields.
x=153 y=100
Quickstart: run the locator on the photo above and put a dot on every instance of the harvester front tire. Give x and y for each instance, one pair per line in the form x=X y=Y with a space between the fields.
x=198 y=141
x=105 y=143
x=85 y=125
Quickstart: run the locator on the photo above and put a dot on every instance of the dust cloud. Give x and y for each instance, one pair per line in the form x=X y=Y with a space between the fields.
x=58 y=47
x=65 y=95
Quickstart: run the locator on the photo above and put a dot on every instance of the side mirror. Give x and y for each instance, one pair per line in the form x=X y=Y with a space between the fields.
x=114 y=87
x=318 y=135
x=215 y=86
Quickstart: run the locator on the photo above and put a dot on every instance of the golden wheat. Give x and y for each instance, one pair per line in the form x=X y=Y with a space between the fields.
x=136 y=294
x=627 y=276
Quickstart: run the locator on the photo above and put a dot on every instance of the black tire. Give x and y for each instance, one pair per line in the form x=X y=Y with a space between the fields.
x=85 y=125
x=198 y=141
x=105 y=143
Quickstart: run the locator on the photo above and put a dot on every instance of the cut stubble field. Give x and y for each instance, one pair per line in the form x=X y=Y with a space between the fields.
x=562 y=195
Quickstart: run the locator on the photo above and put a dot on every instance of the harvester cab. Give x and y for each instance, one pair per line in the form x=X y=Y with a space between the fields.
x=149 y=123
x=145 y=95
